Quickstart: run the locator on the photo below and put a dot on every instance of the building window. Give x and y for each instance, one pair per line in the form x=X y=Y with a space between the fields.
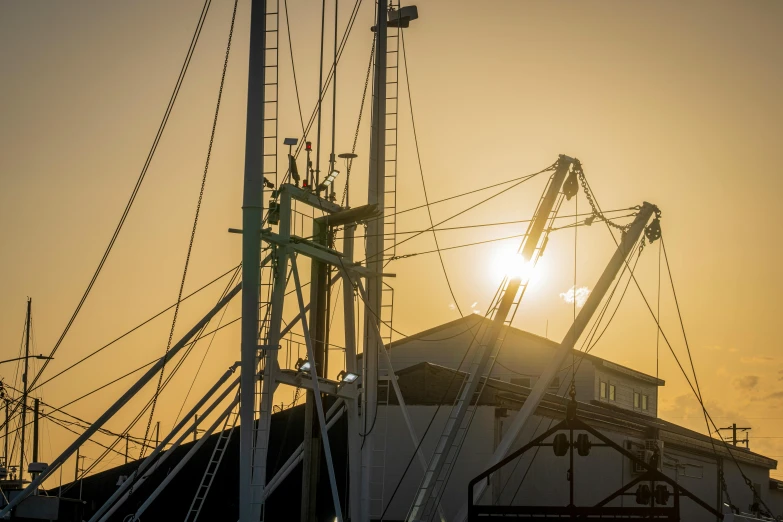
x=555 y=382
x=611 y=392
x=644 y=402
x=636 y=400
x=521 y=381
x=602 y=389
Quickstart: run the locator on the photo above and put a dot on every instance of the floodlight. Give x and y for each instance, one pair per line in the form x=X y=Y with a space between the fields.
x=330 y=178
x=347 y=377
x=303 y=365
x=290 y=141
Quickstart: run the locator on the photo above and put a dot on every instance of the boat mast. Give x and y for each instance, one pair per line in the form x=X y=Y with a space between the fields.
x=24 y=385
x=374 y=253
x=252 y=215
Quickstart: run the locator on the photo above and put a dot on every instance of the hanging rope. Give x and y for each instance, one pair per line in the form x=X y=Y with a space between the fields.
x=195 y=225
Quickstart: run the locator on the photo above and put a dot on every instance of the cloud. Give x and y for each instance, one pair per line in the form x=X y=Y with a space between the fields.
x=579 y=294
x=747 y=383
x=757 y=359
x=714 y=348
x=452 y=306
x=775 y=396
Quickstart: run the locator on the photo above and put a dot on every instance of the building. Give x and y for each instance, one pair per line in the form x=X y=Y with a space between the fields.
x=618 y=401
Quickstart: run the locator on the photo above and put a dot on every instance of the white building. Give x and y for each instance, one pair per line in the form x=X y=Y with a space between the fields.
x=618 y=401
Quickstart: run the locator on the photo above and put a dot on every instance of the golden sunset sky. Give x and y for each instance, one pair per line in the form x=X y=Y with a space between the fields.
x=674 y=103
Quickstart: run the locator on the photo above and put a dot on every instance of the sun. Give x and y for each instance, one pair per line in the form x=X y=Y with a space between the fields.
x=506 y=261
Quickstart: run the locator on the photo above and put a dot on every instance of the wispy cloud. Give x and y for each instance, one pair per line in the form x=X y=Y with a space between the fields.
x=576 y=294
x=747 y=383
x=757 y=359
x=775 y=396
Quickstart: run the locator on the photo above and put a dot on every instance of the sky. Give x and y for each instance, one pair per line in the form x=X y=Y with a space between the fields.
x=673 y=103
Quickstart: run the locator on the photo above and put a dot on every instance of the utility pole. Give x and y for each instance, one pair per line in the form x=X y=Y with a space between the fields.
x=127 y=440
x=36 y=407
x=733 y=428
x=76 y=469
x=157 y=433
x=24 y=386
x=7 y=457
x=376 y=189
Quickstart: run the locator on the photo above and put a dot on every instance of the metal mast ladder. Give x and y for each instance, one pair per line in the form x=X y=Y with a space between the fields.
x=271 y=96
x=508 y=298
x=389 y=246
x=271 y=91
x=212 y=467
x=390 y=172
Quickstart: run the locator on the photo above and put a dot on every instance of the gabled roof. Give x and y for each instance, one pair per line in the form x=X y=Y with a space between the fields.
x=471 y=321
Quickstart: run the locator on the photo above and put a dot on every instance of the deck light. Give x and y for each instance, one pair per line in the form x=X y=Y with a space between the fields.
x=347 y=377
x=303 y=365
x=331 y=177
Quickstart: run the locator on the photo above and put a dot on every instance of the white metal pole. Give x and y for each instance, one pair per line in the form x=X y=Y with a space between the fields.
x=333 y=414
x=127 y=396
x=317 y=394
x=351 y=365
x=162 y=445
x=429 y=492
x=520 y=420
x=270 y=353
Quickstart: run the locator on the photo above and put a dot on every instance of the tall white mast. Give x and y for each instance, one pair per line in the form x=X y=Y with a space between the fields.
x=252 y=214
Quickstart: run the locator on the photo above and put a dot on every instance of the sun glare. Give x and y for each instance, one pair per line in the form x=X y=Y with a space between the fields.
x=507 y=262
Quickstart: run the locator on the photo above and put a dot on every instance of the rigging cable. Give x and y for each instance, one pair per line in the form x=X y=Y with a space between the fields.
x=293 y=67
x=137 y=187
x=522 y=180
x=344 y=200
x=195 y=222
x=588 y=342
x=421 y=173
x=748 y=482
x=95 y=352
x=206 y=352
x=697 y=393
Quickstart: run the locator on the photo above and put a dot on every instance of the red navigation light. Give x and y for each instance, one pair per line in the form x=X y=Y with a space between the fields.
x=308 y=146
